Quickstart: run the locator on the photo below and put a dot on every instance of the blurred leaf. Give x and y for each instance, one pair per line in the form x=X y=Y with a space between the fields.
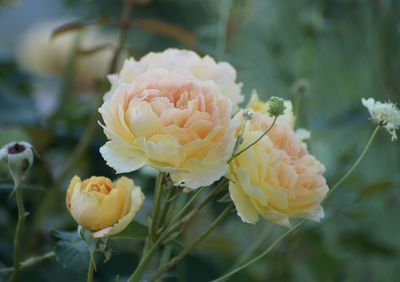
x=375 y=188
x=75 y=26
x=73 y=256
x=166 y=29
x=363 y=243
x=134 y=230
x=94 y=50
x=68 y=236
x=68 y=27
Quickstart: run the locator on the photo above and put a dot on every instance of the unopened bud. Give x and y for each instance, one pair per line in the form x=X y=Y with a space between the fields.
x=19 y=156
x=247 y=115
x=276 y=106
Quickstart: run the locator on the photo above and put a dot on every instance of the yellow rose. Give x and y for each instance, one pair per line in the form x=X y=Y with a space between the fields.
x=173 y=122
x=102 y=206
x=276 y=178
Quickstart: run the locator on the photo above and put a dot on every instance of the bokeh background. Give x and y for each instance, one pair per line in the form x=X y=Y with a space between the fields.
x=323 y=55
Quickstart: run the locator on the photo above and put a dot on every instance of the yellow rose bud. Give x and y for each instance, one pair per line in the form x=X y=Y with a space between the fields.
x=102 y=206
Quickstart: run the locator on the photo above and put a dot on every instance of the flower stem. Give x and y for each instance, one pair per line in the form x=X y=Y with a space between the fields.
x=300 y=223
x=150 y=249
x=263 y=254
x=90 y=270
x=186 y=250
x=258 y=139
x=30 y=262
x=355 y=165
x=18 y=232
x=157 y=204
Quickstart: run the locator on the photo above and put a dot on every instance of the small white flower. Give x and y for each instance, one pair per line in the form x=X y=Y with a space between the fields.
x=386 y=115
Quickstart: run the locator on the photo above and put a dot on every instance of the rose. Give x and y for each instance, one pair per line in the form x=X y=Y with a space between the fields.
x=204 y=69
x=102 y=206
x=41 y=54
x=172 y=122
x=276 y=178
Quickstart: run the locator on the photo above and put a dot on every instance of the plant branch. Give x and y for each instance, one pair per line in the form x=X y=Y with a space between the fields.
x=185 y=251
x=30 y=262
x=18 y=231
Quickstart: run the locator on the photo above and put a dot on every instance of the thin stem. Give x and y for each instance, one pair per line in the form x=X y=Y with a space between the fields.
x=239 y=141
x=90 y=270
x=354 y=166
x=150 y=250
x=185 y=251
x=290 y=231
x=157 y=204
x=167 y=205
x=266 y=252
x=18 y=232
x=258 y=139
x=188 y=205
x=30 y=262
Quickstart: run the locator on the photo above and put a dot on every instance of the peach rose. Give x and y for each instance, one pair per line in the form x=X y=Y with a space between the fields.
x=170 y=121
x=102 y=206
x=276 y=178
x=204 y=69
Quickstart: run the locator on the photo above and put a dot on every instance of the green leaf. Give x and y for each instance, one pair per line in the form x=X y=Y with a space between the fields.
x=375 y=188
x=73 y=256
x=93 y=50
x=68 y=236
x=134 y=230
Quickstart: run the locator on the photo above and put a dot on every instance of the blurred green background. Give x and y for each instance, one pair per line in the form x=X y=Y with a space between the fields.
x=324 y=55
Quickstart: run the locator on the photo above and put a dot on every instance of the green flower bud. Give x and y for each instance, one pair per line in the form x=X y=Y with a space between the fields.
x=276 y=106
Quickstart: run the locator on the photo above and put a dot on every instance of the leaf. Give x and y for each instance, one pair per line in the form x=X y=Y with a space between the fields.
x=73 y=255
x=168 y=30
x=75 y=26
x=375 y=188
x=134 y=230
x=68 y=236
x=68 y=27
x=94 y=50
x=364 y=244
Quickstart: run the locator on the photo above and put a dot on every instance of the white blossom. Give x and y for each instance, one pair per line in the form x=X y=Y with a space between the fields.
x=386 y=115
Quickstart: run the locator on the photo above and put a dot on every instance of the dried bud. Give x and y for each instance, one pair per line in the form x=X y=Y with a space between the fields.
x=247 y=115
x=19 y=157
x=276 y=106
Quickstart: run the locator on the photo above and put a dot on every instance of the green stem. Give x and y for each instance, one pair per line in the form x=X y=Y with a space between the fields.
x=188 y=205
x=355 y=165
x=90 y=270
x=263 y=254
x=189 y=248
x=18 y=232
x=290 y=231
x=157 y=204
x=30 y=262
x=168 y=202
x=150 y=250
x=258 y=139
